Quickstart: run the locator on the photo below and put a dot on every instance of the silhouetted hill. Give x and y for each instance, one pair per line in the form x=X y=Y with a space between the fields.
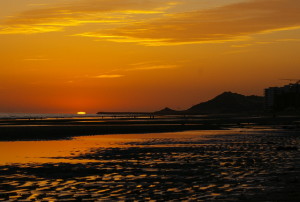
x=228 y=102
x=224 y=103
x=167 y=111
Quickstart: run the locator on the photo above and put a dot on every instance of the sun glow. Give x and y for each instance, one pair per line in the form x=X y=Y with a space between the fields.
x=81 y=113
x=124 y=55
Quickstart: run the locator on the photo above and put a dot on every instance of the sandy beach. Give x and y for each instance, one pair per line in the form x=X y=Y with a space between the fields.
x=242 y=164
x=150 y=100
x=66 y=128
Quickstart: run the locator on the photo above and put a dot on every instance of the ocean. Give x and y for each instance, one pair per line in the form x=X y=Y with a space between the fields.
x=41 y=116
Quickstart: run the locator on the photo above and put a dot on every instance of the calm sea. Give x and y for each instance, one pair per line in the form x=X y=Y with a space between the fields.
x=42 y=116
x=29 y=115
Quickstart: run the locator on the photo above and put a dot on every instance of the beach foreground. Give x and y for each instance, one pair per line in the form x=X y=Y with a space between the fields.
x=65 y=128
x=233 y=165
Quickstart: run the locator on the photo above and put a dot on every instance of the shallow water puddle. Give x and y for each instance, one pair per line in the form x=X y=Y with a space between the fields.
x=44 y=151
x=193 y=165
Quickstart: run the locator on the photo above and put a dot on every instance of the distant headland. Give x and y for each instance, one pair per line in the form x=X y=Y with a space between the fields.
x=285 y=99
x=227 y=102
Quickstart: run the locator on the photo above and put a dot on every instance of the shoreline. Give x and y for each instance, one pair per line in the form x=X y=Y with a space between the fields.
x=223 y=167
x=28 y=133
x=56 y=129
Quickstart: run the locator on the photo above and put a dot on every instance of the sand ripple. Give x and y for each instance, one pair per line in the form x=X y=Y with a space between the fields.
x=244 y=167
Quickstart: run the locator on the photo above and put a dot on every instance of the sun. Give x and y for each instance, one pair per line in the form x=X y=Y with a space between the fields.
x=81 y=113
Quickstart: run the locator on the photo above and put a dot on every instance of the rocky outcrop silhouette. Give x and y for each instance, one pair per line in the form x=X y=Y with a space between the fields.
x=224 y=103
x=229 y=102
x=167 y=111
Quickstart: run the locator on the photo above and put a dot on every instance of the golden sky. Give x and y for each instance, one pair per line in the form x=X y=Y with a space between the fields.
x=64 y=56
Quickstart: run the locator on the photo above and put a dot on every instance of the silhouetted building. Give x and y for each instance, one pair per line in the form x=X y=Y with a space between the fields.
x=282 y=98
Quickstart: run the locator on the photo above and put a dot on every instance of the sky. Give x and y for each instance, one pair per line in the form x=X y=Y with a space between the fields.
x=64 y=56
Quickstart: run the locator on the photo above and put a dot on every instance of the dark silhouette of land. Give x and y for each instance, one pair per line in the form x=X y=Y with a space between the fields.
x=65 y=132
x=225 y=103
x=49 y=129
x=225 y=111
x=229 y=102
x=262 y=165
x=168 y=111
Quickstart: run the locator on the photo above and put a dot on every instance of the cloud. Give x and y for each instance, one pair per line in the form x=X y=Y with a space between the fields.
x=132 y=20
x=56 y=18
x=235 y=22
x=289 y=40
x=136 y=67
x=108 y=76
x=153 y=67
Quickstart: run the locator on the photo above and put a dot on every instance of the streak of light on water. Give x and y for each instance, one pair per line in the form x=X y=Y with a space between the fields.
x=45 y=151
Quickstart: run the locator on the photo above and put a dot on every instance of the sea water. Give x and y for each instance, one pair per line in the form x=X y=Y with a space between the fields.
x=33 y=115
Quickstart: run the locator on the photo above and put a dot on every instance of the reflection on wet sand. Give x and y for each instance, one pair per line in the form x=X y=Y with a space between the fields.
x=42 y=151
x=218 y=166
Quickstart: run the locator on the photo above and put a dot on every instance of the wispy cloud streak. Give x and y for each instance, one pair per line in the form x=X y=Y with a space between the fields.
x=108 y=76
x=152 y=67
x=56 y=18
x=228 y=23
x=122 y=21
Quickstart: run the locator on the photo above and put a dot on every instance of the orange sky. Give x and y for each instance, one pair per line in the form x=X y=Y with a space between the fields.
x=64 y=56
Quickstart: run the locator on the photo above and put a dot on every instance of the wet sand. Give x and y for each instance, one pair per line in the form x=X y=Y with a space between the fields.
x=66 y=128
x=54 y=129
x=239 y=165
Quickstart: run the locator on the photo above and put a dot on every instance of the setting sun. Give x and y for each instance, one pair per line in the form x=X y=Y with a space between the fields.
x=139 y=100
x=141 y=55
